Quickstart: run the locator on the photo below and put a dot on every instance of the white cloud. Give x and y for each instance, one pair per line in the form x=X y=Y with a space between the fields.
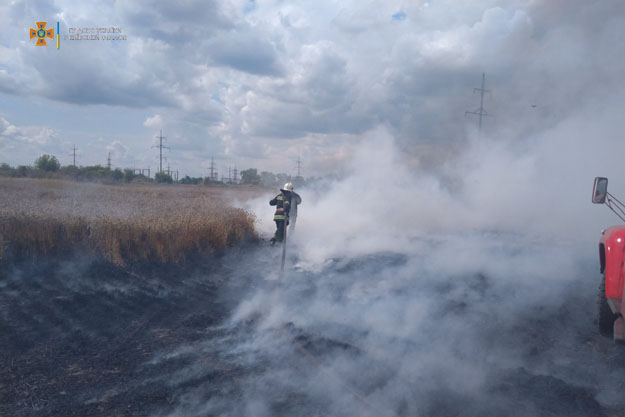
x=117 y=149
x=26 y=134
x=21 y=145
x=154 y=122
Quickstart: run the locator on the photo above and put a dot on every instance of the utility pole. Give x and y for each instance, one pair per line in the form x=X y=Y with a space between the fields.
x=299 y=168
x=212 y=169
x=108 y=162
x=74 y=154
x=229 y=175
x=160 y=150
x=235 y=173
x=480 y=112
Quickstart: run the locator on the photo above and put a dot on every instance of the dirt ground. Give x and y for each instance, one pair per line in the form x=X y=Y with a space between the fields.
x=83 y=338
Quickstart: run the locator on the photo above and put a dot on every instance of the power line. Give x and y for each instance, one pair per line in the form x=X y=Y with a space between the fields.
x=171 y=172
x=74 y=154
x=299 y=167
x=213 y=171
x=228 y=179
x=480 y=112
x=160 y=150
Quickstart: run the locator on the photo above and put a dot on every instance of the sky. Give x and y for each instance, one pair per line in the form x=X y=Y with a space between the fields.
x=259 y=84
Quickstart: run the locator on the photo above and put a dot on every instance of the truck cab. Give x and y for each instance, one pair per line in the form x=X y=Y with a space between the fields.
x=611 y=308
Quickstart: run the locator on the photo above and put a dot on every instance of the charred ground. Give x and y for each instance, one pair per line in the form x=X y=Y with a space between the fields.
x=79 y=346
x=85 y=338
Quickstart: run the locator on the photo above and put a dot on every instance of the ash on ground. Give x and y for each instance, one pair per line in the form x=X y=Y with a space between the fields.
x=385 y=334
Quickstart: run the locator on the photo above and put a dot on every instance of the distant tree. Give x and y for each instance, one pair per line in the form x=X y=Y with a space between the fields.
x=21 y=171
x=117 y=174
x=91 y=172
x=190 y=180
x=268 y=179
x=47 y=163
x=129 y=175
x=142 y=179
x=250 y=176
x=299 y=182
x=70 y=170
x=99 y=169
x=163 y=178
x=283 y=179
x=5 y=169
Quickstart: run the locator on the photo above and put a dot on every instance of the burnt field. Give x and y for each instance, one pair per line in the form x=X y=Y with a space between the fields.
x=402 y=333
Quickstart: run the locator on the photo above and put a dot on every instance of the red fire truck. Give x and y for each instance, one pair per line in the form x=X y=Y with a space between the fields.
x=611 y=258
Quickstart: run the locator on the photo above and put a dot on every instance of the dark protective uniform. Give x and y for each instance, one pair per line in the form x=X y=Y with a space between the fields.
x=283 y=207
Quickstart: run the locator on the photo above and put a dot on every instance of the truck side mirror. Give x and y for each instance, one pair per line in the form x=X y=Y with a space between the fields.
x=599 y=190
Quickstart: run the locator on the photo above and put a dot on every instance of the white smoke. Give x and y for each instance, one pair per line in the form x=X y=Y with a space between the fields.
x=405 y=286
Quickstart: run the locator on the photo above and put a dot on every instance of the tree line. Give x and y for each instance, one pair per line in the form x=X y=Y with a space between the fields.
x=269 y=179
x=48 y=166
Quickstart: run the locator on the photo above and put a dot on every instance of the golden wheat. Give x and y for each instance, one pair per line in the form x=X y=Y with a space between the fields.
x=123 y=224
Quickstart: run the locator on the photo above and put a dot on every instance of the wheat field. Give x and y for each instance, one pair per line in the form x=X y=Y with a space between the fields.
x=123 y=224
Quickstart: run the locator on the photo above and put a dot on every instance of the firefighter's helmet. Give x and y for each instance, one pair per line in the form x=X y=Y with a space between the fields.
x=288 y=186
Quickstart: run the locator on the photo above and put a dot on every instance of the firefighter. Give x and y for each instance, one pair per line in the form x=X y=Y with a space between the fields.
x=283 y=207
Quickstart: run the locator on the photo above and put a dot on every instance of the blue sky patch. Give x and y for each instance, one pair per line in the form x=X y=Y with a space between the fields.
x=399 y=16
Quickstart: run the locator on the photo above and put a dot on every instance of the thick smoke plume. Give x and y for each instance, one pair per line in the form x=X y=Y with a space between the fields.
x=464 y=287
x=409 y=291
